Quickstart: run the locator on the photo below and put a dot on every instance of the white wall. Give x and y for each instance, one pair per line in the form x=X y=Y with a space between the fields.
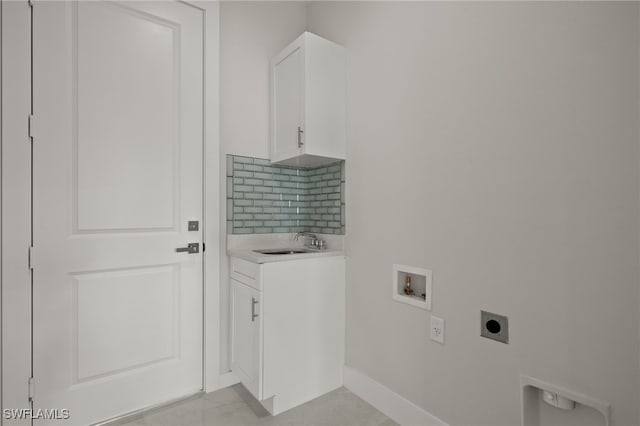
x=497 y=144
x=250 y=34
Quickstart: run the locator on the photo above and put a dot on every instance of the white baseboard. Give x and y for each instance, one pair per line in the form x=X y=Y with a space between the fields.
x=222 y=381
x=391 y=404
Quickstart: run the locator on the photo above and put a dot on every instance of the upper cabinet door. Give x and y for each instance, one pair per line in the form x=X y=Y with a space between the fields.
x=308 y=81
x=288 y=103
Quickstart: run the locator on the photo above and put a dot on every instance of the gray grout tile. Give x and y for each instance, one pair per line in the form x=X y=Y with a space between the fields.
x=262 y=230
x=229 y=165
x=241 y=159
x=243 y=174
x=261 y=162
x=253 y=168
x=281 y=230
x=272 y=198
x=242 y=230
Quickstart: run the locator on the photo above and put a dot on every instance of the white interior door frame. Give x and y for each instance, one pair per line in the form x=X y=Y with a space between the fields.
x=15 y=206
x=15 y=211
x=214 y=377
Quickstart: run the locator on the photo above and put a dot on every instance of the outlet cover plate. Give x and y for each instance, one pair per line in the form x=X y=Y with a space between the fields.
x=494 y=326
x=436 y=330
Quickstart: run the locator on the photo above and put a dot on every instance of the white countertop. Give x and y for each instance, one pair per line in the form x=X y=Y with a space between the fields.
x=242 y=246
x=255 y=257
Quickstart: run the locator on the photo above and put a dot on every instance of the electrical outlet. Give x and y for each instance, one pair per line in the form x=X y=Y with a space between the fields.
x=494 y=326
x=437 y=329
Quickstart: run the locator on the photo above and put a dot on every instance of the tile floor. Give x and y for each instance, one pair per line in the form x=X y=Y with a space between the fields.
x=234 y=406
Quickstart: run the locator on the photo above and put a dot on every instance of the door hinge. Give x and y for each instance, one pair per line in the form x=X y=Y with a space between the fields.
x=32 y=259
x=32 y=384
x=31 y=127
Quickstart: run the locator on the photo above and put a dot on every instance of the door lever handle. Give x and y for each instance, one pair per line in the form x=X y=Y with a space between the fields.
x=191 y=248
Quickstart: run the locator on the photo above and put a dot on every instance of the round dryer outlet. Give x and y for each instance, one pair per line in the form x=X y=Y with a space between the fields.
x=494 y=326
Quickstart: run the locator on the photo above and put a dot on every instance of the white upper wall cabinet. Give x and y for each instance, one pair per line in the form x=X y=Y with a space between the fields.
x=308 y=81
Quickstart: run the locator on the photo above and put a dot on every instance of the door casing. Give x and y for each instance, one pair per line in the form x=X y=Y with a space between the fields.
x=15 y=211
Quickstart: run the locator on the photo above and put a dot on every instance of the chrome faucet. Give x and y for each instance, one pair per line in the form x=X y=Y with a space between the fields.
x=316 y=243
x=306 y=234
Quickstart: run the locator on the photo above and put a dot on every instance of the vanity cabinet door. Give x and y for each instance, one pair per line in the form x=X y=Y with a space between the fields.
x=246 y=337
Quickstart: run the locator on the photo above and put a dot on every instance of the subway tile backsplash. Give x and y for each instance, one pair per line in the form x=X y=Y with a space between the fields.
x=267 y=198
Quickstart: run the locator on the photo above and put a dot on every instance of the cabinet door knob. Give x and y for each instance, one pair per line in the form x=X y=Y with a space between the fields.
x=253 y=309
x=300 y=132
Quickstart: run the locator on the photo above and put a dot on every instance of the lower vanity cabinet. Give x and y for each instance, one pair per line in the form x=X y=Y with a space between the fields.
x=287 y=328
x=246 y=334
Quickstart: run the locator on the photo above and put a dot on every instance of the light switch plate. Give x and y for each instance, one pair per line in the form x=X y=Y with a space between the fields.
x=437 y=329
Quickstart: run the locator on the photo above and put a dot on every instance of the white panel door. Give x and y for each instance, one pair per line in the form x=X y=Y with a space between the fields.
x=246 y=336
x=287 y=104
x=117 y=174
